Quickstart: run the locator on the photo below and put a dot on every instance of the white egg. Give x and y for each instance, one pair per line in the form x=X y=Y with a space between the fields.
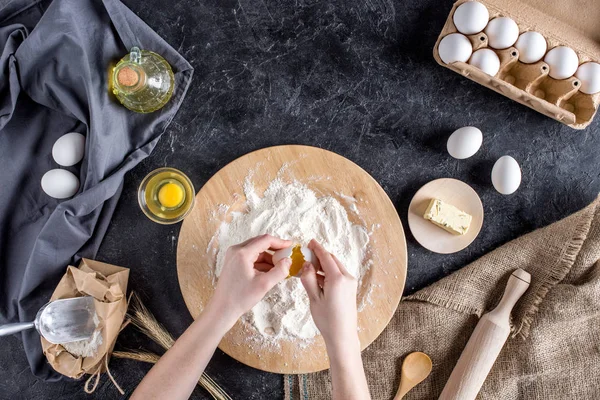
x=532 y=46
x=60 y=183
x=486 y=60
x=563 y=62
x=455 y=47
x=69 y=149
x=502 y=33
x=464 y=142
x=589 y=75
x=506 y=175
x=471 y=17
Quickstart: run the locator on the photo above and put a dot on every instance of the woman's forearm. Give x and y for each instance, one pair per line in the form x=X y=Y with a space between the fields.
x=347 y=373
x=248 y=274
x=177 y=372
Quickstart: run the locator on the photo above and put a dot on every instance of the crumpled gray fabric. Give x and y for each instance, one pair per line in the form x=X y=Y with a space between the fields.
x=54 y=61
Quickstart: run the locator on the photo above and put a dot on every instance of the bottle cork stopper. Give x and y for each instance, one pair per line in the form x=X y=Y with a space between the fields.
x=127 y=77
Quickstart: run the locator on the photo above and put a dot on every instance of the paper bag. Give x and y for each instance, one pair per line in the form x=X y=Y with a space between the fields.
x=108 y=285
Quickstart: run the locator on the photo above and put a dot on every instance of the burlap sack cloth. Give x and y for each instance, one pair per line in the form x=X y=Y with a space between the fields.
x=555 y=350
x=108 y=285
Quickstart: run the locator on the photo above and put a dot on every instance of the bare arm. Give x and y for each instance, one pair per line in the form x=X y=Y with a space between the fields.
x=176 y=374
x=333 y=307
x=347 y=374
x=248 y=274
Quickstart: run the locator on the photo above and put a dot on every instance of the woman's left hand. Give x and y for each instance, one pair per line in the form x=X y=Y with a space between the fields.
x=248 y=274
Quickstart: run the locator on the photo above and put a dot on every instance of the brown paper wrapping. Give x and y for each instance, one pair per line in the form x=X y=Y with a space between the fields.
x=108 y=285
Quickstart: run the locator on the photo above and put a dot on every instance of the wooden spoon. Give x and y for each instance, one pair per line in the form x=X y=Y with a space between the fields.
x=415 y=368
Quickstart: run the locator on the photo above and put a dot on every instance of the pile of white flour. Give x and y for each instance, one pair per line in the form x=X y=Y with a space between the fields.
x=293 y=211
x=87 y=347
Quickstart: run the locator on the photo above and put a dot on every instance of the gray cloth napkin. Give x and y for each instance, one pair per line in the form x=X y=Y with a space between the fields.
x=54 y=59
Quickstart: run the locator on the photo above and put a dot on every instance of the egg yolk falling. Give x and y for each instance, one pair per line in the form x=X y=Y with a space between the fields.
x=297 y=261
x=170 y=195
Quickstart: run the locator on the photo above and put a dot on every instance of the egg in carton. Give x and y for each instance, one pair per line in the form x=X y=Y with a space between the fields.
x=542 y=53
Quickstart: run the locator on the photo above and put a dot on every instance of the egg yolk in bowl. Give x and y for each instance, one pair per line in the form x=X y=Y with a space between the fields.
x=171 y=195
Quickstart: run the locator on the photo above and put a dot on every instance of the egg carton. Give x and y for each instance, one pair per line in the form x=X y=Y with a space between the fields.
x=562 y=23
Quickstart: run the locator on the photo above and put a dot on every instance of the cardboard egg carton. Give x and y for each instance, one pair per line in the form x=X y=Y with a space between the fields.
x=571 y=23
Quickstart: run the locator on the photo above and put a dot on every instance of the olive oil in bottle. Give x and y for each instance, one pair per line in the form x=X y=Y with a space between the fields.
x=143 y=81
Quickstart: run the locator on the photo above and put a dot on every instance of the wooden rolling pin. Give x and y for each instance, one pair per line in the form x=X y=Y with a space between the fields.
x=485 y=343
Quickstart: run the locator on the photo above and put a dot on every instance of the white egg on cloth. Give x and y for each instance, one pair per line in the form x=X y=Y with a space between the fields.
x=60 y=183
x=471 y=17
x=563 y=62
x=486 y=60
x=464 y=142
x=589 y=75
x=532 y=46
x=502 y=32
x=506 y=175
x=69 y=149
x=455 y=47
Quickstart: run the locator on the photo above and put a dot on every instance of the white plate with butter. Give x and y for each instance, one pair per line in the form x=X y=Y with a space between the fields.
x=438 y=215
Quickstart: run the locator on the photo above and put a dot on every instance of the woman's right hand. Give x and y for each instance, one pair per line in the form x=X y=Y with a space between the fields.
x=332 y=297
x=333 y=308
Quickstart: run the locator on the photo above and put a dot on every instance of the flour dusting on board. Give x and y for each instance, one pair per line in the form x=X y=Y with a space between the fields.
x=291 y=210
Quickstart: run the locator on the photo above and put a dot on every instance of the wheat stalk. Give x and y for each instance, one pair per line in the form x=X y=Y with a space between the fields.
x=143 y=356
x=145 y=321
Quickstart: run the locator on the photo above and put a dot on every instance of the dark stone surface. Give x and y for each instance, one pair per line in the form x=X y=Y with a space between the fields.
x=354 y=77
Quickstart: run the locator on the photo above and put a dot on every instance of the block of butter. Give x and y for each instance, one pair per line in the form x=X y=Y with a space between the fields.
x=448 y=217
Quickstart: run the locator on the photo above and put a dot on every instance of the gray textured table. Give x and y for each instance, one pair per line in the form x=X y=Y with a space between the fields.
x=354 y=77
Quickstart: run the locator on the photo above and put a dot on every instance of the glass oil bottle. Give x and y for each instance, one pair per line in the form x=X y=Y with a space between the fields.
x=143 y=81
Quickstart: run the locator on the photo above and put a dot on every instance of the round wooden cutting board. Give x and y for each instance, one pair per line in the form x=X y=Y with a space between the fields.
x=326 y=173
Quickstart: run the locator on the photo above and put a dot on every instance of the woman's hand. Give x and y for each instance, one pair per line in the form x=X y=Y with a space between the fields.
x=333 y=308
x=332 y=297
x=248 y=274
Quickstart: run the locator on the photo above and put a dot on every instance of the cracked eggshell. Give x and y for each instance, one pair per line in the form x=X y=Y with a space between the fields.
x=464 y=142
x=455 y=47
x=502 y=32
x=486 y=60
x=310 y=257
x=589 y=75
x=283 y=253
x=60 y=183
x=506 y=175
x=471 y=17
x=307 y=254
x=532 y=47
x=563 y=62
